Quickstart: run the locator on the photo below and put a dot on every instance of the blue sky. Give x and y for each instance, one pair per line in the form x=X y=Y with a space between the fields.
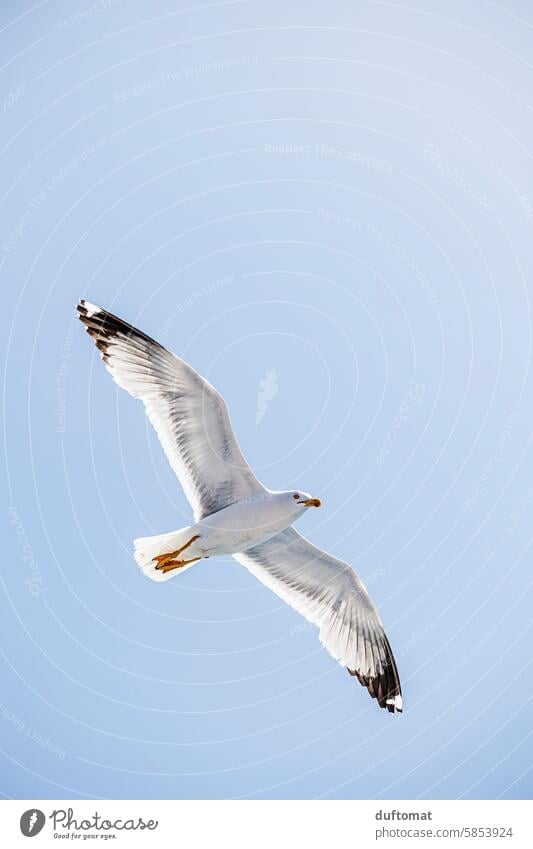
x=334 y=203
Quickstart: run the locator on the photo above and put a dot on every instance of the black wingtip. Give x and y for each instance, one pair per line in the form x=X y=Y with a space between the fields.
x=389 y=698
x=103 y=326
x=86 y=310
x=384 y=687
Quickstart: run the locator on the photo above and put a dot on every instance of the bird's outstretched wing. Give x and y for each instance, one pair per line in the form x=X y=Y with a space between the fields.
x=188 y=414
x=329 y=594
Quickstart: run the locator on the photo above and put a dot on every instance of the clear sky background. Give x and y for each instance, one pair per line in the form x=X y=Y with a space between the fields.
x=327 y=209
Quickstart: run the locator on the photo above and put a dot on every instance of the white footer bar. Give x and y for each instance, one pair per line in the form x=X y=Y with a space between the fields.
x=268 y=824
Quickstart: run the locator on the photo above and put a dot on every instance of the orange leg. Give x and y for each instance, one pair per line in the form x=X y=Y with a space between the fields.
x=169 y=557
x=176 y=564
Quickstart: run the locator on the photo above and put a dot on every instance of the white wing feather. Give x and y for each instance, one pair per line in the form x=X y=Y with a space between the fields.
x=329 y=593
x=190 y=417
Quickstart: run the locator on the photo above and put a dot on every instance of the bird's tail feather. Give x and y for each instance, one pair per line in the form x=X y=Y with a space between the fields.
x=148 y=548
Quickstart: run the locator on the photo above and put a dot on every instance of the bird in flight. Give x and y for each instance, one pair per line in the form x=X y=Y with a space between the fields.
x=234 y=513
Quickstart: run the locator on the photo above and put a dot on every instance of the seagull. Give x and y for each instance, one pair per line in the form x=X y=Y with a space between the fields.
x=234 y=514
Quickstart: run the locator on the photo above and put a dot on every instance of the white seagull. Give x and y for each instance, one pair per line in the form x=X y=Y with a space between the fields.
x=234 y=513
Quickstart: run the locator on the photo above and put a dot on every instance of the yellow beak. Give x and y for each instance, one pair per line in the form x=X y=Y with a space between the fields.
x=313 y=502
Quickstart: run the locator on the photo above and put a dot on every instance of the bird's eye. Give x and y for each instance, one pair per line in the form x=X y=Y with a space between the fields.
x=295 y=496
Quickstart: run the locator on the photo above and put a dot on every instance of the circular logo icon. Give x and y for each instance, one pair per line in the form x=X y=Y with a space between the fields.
x=32 y=822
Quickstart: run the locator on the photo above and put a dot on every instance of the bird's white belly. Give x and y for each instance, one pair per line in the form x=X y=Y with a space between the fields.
x=239 y=527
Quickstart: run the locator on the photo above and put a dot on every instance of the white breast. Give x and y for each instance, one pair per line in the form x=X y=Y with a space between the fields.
x=242 y=525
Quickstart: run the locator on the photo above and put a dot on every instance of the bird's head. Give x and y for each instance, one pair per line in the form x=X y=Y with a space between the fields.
x=299 y=500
